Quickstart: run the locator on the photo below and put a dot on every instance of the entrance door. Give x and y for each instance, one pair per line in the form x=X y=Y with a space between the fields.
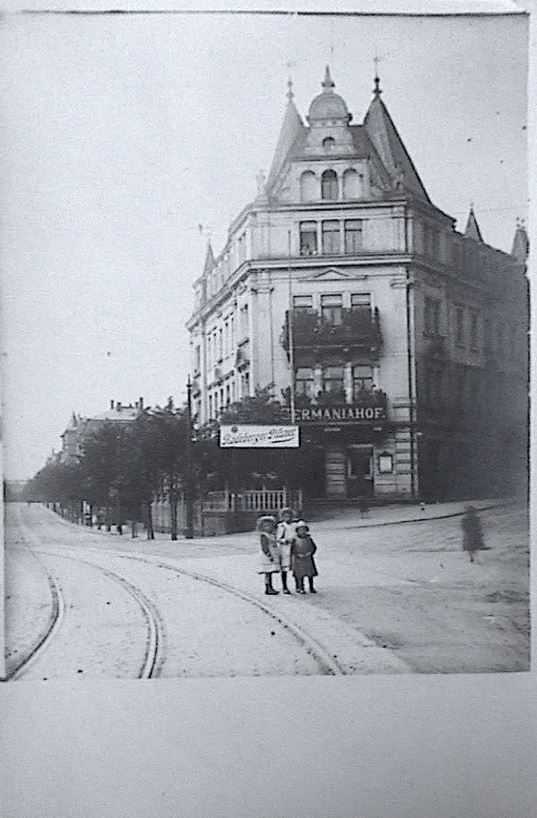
x=360 y=471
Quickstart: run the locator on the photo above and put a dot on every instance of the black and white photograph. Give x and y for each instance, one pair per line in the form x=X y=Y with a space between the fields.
x=265 y=346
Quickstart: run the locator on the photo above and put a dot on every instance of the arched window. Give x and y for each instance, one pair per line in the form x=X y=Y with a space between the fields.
x=308 y=187
x=353 y=184
x=329 y=143
x=329 y=185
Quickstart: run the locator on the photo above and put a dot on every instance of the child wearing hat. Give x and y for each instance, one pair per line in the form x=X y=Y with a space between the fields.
x=285 y=532
x=270 y=552
x=302 y=550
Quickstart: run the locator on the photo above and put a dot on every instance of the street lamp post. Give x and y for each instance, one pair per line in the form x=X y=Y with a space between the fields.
x=188 y=492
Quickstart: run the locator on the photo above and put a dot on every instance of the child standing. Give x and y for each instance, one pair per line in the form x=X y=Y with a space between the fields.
x=302 y=550
x=285 y=533
x=270 y=554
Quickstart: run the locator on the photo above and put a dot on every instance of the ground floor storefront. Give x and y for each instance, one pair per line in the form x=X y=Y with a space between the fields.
x=358 y=462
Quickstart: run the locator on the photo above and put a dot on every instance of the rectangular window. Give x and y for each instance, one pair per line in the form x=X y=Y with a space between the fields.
x=308 y=238
x=244 y=329
x=459 y=326
x=361 y=302
x=246 y=384
x=197 y=358
x=331 y=243
x=220 y=344
x=302 y=302
x=332 y=308
x=232 y=328
x=353 y=236
x=210 y=407
x=362 y=380
x=226 y=339
x=432 y=316
x=304 y=384
x=474 y=331
x=228 y=394
x=333 y=379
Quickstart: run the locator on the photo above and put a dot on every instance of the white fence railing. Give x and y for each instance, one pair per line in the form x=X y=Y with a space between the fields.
x=257 y=501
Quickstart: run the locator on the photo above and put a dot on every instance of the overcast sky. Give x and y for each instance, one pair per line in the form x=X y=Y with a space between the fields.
x=121 y=135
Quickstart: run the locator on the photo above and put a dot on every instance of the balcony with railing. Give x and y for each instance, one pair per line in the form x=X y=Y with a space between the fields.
x=348 y=328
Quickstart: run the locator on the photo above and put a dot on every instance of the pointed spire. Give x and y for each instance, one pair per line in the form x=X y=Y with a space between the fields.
x=209 y=259
x=328 y=83
x=521 y=244
x=472 y=230
x=292 y=127
x=392 y=152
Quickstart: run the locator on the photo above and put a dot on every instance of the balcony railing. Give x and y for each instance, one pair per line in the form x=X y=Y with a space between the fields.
x=356 y=328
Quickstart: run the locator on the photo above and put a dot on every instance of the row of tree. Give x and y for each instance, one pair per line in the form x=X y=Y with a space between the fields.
x=124 y=466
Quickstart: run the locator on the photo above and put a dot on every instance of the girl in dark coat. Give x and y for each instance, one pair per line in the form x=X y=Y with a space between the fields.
x=472 y=533
x=302 y=550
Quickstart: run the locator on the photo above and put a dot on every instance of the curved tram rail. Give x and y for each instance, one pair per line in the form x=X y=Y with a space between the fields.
x=152 y=661
x=328 y=665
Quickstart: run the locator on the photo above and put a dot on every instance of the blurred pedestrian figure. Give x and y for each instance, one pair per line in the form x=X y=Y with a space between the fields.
x=285 y=533
x=270 y=554
x=472 y=533
x=363 y=506
x=302 y=550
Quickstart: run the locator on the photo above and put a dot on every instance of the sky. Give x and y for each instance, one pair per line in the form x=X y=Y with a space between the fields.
x=128 y=141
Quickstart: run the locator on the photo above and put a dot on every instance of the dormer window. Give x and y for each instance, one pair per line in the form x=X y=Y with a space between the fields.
x=329 y=186
x=329 y=143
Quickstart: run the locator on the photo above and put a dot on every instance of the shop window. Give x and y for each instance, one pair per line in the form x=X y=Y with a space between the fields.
x=353 y=184
x=330 y=233
x=329 y=187
x=302 y=302
x=353 y=236
x=362 y=379
x=304 y=383
x=332 y=308
x=308 y=238
x=333 y=379
x=308 y=187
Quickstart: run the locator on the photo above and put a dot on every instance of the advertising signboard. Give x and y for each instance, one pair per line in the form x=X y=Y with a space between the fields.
x=248 y=436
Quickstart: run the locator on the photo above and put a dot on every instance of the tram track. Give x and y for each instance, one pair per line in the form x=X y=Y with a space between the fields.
x=328 y=665
x=153 y=653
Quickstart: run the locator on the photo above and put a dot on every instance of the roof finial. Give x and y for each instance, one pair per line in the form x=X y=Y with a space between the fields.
x=290 y=93
x=327 y=83
x=377 y=90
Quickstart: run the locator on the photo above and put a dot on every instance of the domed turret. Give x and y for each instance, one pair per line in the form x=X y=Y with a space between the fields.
x=328 y=105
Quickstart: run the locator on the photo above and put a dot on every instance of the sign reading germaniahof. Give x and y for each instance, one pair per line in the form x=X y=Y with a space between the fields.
x=248 y=436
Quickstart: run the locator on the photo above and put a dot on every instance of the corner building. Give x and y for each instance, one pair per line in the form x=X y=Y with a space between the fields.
x=405 y=341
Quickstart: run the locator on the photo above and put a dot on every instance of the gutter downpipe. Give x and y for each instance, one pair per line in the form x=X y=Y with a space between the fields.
x=410 y=366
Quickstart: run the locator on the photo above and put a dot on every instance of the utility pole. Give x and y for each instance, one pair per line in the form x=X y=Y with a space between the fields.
x=188 y=487
x=291 y=340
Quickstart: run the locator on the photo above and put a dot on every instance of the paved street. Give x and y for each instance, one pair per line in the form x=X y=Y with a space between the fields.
x=393 y=598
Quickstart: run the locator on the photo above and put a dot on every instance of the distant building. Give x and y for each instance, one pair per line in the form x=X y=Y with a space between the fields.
x=81 y=427
x=403 y=340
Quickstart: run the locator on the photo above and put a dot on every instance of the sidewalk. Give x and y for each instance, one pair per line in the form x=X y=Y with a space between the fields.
x=346 y=519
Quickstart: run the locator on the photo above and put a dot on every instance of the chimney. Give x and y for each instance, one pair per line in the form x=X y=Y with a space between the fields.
x=111 y=404
x=118 y=406
x=141 y=404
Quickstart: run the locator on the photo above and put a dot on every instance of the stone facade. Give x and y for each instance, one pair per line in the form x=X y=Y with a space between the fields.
x=343 y=283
